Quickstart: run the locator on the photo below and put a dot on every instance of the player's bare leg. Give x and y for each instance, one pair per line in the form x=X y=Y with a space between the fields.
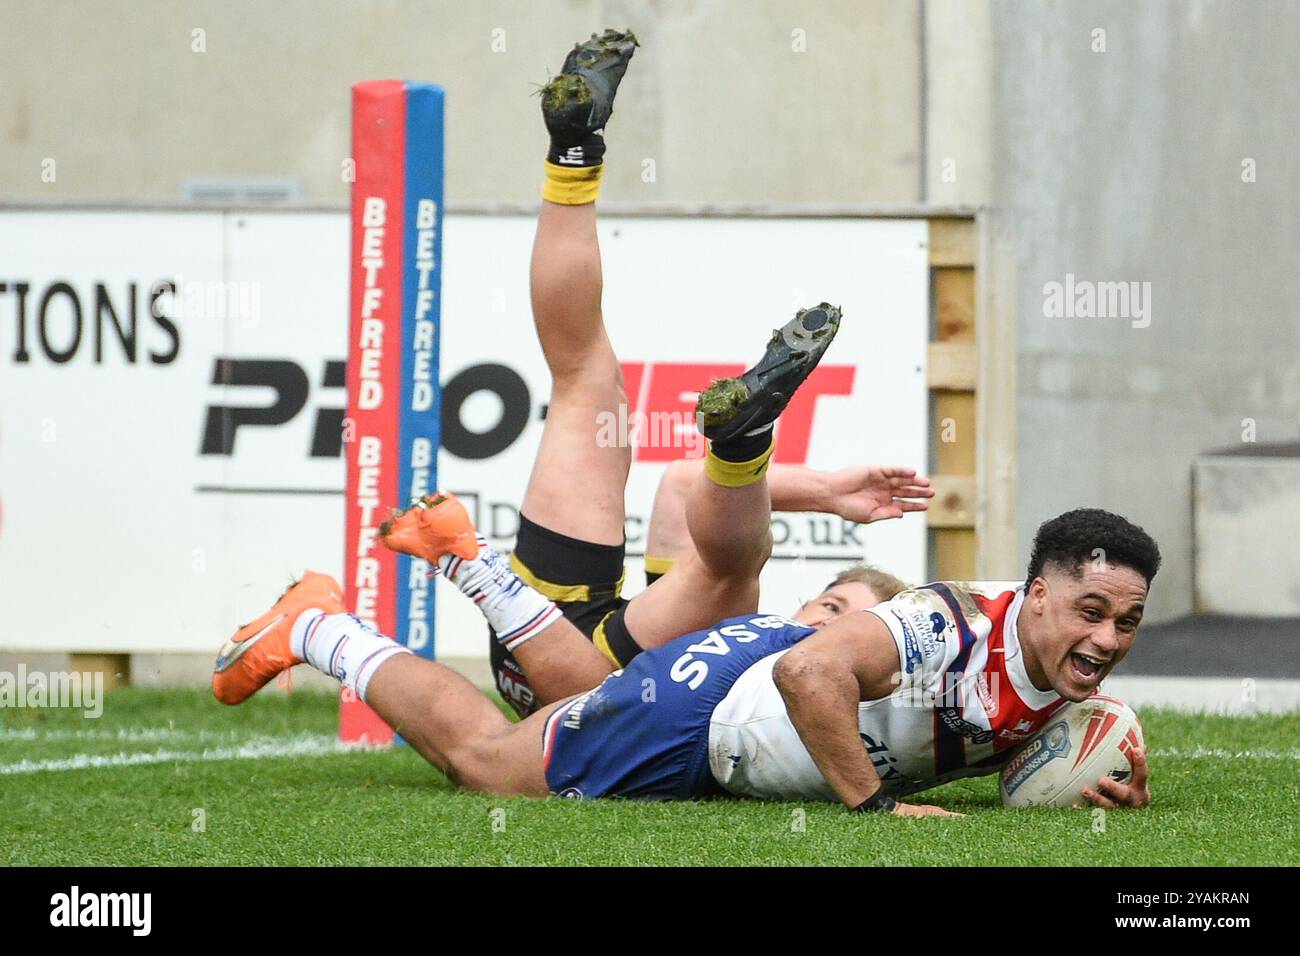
x=557 y=657
x=452 y=724
x=728 y=511
x=716 y=576
x=570 y=545
x=860 y=493
x=586 y=383
x=455 y=727
x=566 y=286
x=668 y=539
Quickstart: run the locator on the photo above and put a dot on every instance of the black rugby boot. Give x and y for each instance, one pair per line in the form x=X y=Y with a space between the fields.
x=731 y=408
x=578 y=103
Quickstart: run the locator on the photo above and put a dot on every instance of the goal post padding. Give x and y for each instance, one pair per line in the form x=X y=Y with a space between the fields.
x=392 y=427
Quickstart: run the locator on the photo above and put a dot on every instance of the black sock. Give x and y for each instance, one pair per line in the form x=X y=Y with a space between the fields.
x=743 y=447
x=590 y=151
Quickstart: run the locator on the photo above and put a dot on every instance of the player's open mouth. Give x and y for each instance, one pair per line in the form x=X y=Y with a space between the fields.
x=1087 y=670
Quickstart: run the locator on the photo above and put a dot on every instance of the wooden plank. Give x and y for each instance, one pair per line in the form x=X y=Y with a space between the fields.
x=995 y=521
x=952 y=375
x=955 y=434
x=116 y=668
x=952 y=242
x=953 y=504
x=952 y=366
x=954 y=304
x=953 y=554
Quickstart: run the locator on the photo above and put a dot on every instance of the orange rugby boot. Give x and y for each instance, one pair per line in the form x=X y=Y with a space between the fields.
x=431 y=527
x=261 y=650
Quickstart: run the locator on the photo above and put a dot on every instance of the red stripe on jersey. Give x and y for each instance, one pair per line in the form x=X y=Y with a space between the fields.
x=1014 y=720
x=994 y=608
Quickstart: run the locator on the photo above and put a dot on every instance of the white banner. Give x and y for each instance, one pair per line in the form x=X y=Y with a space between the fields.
x=171 y=400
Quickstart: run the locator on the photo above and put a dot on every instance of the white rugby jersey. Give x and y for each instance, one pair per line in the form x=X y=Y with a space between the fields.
x=964 y=703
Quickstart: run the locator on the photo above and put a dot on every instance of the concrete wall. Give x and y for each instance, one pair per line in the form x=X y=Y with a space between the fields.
x=1246 y=523
x=1127 y=165
x=957 y=123
x=734 y=100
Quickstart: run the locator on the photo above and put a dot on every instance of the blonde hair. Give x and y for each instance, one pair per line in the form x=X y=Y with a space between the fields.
x=883 y=584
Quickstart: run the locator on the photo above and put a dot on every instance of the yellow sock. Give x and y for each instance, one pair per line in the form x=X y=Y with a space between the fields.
x=571 y=185
x=658 y=566
x=736 y=474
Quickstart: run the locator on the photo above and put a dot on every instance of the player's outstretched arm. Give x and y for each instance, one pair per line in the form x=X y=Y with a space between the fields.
x=861 y=493
x=867 y=493
x=822 y=680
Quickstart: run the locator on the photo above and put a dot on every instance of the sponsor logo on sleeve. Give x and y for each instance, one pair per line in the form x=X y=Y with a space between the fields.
x=933 y=639
x=911 y=648
x=925 y=630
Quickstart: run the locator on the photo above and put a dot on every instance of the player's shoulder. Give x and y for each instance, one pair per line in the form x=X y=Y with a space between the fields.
x=977 y=598
x=926 y=619
x=968 y=598
x=985 y=589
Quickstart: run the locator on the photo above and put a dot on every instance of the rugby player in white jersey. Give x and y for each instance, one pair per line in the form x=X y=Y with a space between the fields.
x=977 y=669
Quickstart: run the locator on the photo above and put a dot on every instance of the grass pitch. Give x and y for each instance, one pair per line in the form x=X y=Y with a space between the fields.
x=173 y=778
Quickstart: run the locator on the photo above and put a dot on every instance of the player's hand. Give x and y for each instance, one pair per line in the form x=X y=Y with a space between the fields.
x=868 y=493
x=1113 y=795
x=922 y=810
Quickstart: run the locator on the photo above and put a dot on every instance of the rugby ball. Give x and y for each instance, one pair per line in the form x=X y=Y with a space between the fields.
x=1080 y=744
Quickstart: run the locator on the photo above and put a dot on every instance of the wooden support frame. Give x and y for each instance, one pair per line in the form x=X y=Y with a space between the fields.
x=971 y=377
x=115 y=667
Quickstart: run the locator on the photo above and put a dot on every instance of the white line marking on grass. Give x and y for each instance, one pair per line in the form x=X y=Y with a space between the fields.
x=125 y=734
x=1213 y=695
x=1220 y=754
x=256 y=749
x=321 y=745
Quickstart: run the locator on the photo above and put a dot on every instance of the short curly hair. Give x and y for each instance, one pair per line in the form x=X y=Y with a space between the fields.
x=1077 y=537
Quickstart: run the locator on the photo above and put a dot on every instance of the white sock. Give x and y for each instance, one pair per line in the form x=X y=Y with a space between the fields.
x=341 y=646
x=515 y=611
